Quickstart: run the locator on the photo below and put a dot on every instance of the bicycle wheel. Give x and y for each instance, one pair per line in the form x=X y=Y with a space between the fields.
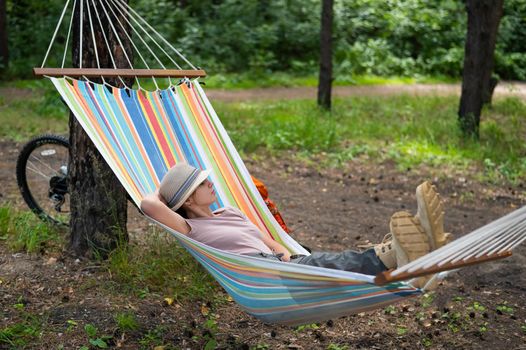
x=41 y=173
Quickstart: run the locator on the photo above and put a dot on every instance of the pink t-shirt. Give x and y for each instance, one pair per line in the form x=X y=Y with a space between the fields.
x=228 y=230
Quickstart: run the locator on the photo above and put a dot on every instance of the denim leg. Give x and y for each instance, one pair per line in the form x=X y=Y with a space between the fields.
x=367 y=262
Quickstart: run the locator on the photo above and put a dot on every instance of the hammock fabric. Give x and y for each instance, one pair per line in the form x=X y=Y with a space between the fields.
x=142 y=134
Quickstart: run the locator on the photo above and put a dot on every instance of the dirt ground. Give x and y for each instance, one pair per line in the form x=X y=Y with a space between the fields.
x=504 y=88
x=480 y=307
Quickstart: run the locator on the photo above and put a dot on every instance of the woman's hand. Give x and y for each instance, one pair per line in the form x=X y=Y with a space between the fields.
x=286 y=256
x=276 y=248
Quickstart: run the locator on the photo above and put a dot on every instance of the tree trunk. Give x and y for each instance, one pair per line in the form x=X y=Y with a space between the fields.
x=98 y=201
x=325 y=78
x=483 y=22
x=4 y=48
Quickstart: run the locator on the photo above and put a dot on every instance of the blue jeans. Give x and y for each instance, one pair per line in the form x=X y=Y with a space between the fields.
x=367 y=262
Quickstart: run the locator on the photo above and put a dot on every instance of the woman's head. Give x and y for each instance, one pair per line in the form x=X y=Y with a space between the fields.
x=185 y=184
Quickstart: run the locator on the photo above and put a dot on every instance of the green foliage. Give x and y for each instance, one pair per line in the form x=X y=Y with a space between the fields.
x=160 y=265
x=99 y=342
x=505 y=309
x=373 y=37
x=153 y=337
x=307 y=327
x=401 y=330
x=22 y=331
x=333 y=346
x=126 y=321
x=24 y=231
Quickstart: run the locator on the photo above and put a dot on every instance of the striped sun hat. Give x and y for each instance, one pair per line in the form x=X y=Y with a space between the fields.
x=179 y=183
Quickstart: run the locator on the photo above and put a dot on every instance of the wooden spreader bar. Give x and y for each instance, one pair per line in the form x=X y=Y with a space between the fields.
x=124 y=73
x=386 y=277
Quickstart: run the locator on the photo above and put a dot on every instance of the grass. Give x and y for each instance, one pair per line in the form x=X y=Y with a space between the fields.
x=412 y=131
x=251 y=80
x=24 y=330
x=126 y=321
x=160 y=265
x=23 y=231
x=34 y=109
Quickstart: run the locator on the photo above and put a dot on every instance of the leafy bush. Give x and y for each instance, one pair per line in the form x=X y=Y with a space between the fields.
x=404 y=37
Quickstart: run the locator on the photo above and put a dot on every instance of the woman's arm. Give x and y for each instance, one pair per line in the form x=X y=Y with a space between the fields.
x=276 y=247
x=153 y=206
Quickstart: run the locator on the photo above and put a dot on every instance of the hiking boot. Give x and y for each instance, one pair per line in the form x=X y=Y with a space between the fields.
x=386 y=252
x=410 y=241
x=431 y=215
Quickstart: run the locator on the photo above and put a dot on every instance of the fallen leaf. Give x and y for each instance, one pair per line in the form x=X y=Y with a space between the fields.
x=51 y=261
x=204 y=310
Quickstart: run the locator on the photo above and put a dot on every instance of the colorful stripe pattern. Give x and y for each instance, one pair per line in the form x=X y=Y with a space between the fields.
x=142 y=134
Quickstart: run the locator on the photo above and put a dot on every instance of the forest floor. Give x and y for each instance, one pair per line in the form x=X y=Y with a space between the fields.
x=480 y=307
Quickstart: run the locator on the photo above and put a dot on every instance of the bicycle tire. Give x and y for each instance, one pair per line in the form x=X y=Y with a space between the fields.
x=35 y=186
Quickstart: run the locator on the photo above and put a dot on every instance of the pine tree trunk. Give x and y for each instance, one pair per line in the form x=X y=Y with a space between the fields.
x=483 y=22
x=98 y=201
x=325 y=78
x=4 y=47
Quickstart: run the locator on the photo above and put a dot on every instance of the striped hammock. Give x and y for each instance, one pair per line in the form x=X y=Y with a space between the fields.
x=143 y=134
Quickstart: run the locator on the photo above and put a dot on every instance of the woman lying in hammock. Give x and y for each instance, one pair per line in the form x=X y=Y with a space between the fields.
x=183 y=201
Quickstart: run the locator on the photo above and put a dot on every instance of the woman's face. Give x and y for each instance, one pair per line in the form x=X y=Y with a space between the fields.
x=204 y=194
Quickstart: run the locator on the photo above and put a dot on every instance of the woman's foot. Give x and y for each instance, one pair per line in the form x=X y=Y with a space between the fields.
x=431 y=215
x=386 y=252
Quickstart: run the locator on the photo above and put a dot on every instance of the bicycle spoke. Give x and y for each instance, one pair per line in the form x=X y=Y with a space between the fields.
x=44 y=164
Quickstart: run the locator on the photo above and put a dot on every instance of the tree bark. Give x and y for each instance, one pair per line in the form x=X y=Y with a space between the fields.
x=4 y=47
x=325 y=77
x=98 y=201
x=483 y=22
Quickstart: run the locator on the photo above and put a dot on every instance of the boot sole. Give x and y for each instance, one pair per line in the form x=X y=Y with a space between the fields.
x=409 y=238
x=431 y=215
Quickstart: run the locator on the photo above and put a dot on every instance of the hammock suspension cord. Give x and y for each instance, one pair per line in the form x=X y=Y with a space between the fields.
x=67 y=39
x=157 y=33
x=55 y=33
x=106 y=40
x=129 y=21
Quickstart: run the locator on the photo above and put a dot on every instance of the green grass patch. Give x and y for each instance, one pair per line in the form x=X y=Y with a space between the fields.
x=126 y=321
x=24 y=329
x=23 y=231
x=413 y=131
x=251 y=80
x=31 y=107
x=160 y=265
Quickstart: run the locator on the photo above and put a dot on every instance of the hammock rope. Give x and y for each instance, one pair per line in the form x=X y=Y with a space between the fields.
x=137 y=51
x=119 y=14
x=66 y=45
x=166 y=42
x=55 y=32
x=81 y=26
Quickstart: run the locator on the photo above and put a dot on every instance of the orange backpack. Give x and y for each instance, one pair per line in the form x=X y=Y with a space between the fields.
x=270 y=204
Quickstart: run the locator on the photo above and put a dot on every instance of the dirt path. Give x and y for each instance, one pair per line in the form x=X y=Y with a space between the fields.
x=282 y=93
x=481 y=307
x=503 y=89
